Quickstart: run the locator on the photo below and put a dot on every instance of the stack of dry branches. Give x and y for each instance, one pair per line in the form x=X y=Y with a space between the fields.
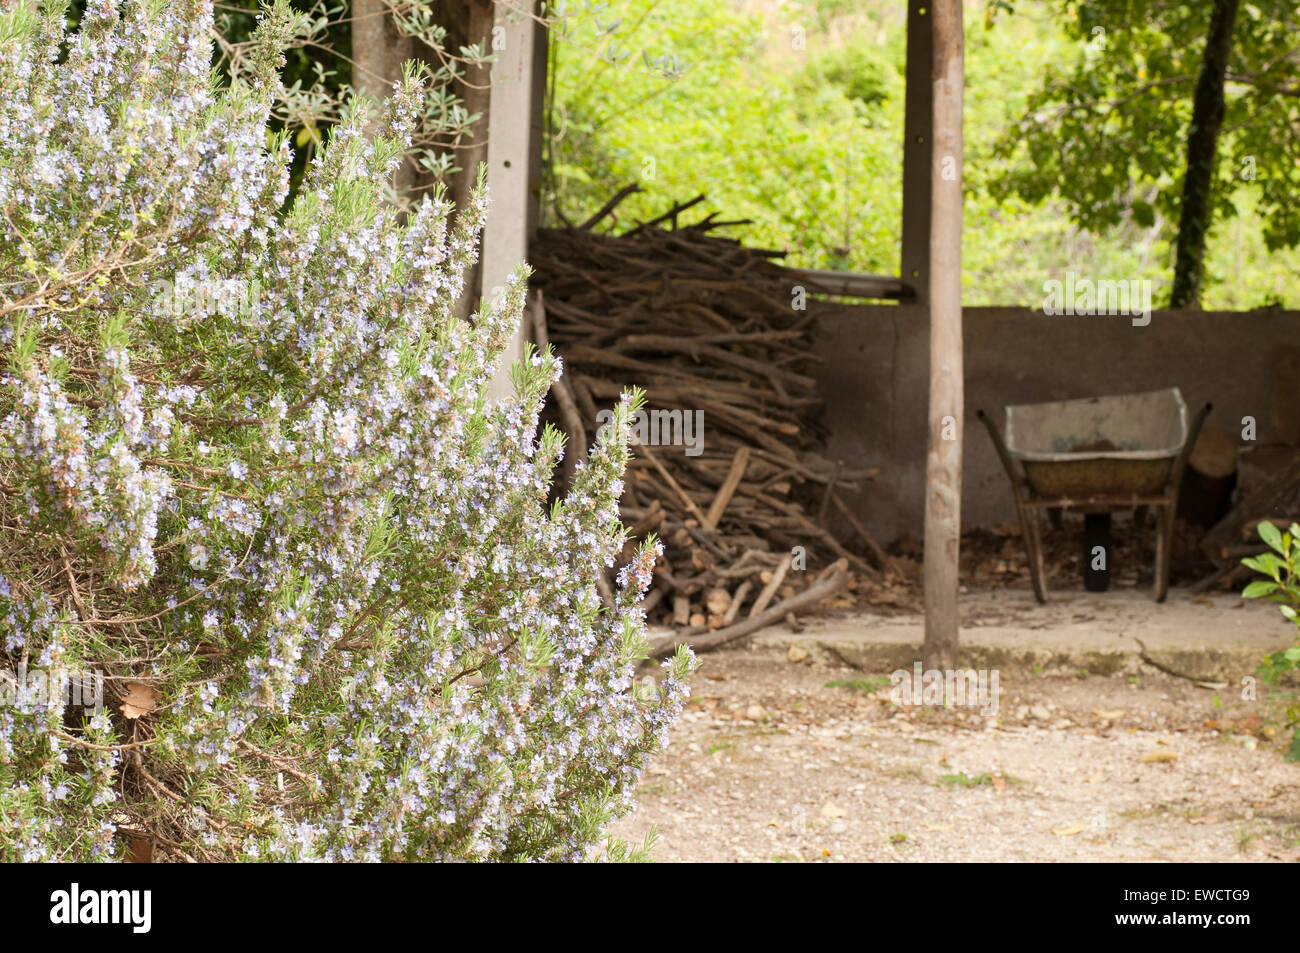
x=726 y=472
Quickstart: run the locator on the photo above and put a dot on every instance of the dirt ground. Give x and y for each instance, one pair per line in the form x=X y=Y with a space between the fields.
x=808 y=760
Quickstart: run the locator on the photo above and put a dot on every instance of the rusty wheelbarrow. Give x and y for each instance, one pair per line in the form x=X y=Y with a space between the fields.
x=1097 y=455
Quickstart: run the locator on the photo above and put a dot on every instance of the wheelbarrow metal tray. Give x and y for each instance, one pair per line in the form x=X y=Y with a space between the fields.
x=1124 y=444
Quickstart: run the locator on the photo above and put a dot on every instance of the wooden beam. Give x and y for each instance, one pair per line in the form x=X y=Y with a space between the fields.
x=917 y=130
x=946 y=412
x=851 y=284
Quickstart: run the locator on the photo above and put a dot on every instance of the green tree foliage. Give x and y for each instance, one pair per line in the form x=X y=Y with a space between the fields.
x=684 y=98
x=806 y=143
x=1107 y=132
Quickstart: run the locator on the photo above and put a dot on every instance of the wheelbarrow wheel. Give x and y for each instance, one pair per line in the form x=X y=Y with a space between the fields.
x=1097 y=549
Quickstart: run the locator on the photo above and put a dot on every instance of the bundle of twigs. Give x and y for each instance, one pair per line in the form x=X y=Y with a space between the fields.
x=710 y=329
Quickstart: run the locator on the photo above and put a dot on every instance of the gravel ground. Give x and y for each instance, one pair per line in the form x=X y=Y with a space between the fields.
x=772 y=763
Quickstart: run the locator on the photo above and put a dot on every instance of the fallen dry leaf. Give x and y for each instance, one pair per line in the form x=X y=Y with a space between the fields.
x=1152 y=757
x=999 y=784
x=140 y=700
x=1109 y=714
x=1207 y=819
x=141 y=850
x=1068 y=831
x=829 y=809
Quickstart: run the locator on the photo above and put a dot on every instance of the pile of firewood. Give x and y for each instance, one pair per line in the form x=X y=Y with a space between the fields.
x=1269 y=491
x=718 y=337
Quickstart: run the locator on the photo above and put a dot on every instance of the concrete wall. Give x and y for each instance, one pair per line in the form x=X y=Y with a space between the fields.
x=876 y=362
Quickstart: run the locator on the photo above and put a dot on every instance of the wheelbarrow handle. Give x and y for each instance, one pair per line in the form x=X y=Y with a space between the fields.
x=1028 y=521
x=1180 y=462
x=1003 y=453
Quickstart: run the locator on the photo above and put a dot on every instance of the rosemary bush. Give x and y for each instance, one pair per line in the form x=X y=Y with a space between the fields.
x=250 y=473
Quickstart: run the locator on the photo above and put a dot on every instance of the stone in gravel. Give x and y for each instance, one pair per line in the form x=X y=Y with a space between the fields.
x=830 y=809
x=755 y=712
x=796 y=654
x=1040 y=712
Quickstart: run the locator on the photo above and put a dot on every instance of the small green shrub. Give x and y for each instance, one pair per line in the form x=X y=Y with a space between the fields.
x=1282 y=567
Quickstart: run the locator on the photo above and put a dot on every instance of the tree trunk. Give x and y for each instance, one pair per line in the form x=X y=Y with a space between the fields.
x=946 y=413
x=378 y=51
x=1202 y=143
x=470 y=22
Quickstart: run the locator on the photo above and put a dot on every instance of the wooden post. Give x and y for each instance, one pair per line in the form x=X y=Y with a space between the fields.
x=917 y=128
x=946 y=412
x=514 y=156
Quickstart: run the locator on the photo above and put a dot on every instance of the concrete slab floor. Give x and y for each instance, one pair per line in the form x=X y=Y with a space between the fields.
x=1219 y=637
